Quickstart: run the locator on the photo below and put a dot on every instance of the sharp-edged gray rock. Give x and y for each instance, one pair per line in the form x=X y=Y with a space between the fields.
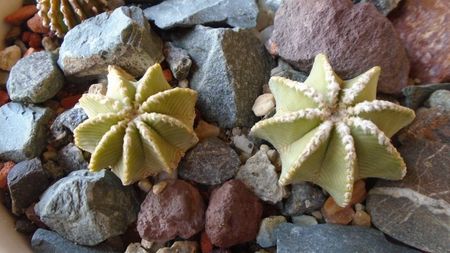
x=440 y=99
x=35 y=78
x=178 y=60
x=305 y=198
x=184 y=13
x=88 y=207
x=230 y=66
x=121 y=38
x=64 y=125
x=23 y=131
x=71 y=158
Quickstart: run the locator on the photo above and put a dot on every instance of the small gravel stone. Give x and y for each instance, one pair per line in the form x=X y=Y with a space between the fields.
x=211 y=162
x=25 y=226
x=181 y=247
x=335 y=214
x=159 y=187
x=243 y=144
x=439 y=98
x=176 y=211
x=415 y=95
x=88 y=207
x=55 y=171
x=145 y=185
x=260 y=176
x=26 y=181
x=71 y=158
x=304 y=198
x=135 y=248
x=234 y=204
x=178 y=59
x=205 y=130
x=35 y=78
x=98 y=88
x=304 y=220
x=283 y=69
x=30 y=141
x=264 y=104
x=360 y=207
x=65 y=123
x=266 y=235
x=9 y=57
x=383 y=6
x=49 y=44
x=361 y=218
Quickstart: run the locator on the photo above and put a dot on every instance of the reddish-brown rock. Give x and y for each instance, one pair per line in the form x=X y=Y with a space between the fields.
x=35 y=24
x=21 y=14
x=233 y=215
x=176 y=211
x=354 y=37
x=424 y=28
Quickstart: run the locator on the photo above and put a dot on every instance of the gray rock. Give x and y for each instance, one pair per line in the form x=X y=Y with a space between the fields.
x=304 y=198
x=26 y=181
x=260 y=176
x=273 y=5
x=230 y=68
x=70 y=158
x=439 y=98
x=211 y=162
x=88 y=207
x=285 y=70
x=304 y=220
x=23 y=131
x=383 y=6
x=330 y=238
x=266 y=236
x=178 y=60
x=415 y=95
x=182 y=13
x=243 y=144
x=416 y=210
x=45 y=241
x=65 y=123
x=35 y=78
x=121 y=38
x=55 y=171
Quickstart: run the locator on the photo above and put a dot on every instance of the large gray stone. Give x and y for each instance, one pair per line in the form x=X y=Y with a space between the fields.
x=330 y=238
x=121 y=38
x=266 y=236
x=23 y=131
x=230 y=67
x=35 y=78
x=260 y=176
x=416 y=210
x=354 y=37
x=45 y=241
x=183 y=13
x=88 y=207
x=415 y=95
x=440 y=99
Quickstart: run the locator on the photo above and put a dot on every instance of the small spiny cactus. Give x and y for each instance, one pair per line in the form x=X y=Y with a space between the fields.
x=139 y=128
x=63 y=15
x=333 y=132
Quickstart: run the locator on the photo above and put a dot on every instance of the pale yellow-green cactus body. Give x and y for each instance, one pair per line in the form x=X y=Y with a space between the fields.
x=333 y=132
x=139 y=128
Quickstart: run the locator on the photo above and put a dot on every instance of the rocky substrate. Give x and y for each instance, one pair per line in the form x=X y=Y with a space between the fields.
x=225 y=196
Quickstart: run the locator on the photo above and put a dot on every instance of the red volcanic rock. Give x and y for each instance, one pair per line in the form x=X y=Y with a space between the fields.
x=233 y=215
x=176 y=211
x=354 y=37
x=424 y=28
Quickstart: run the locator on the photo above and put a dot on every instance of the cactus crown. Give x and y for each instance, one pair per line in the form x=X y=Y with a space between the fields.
x=63 y=15
x=333 y=132
x=139 y=128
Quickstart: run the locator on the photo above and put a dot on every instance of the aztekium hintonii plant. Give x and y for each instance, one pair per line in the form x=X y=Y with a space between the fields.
x=63 y=15
x=333 y=132
x=139 y=128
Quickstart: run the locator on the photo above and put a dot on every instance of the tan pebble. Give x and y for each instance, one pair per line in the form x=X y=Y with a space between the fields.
x=264 y=148
x=317 y=215
x=9 y=56
x=145 y=185
x=146 y=244
x=361 y=218
x=273 y=155
x=29 y=51
x=243 y=157
x=135 y=248
x=236 y=131
x=181 y=247
x=359 y=192
x=264 y=104
x=336 y=214
x=159 y=187
x=49 y=44
x=3 y=77
x=97 y=88
x=205 y=130
x=183 y=83
x=359 y=207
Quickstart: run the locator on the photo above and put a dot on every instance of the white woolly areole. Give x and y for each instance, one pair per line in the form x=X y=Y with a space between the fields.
x=350 y=157
x=322 y=134
x=333 y=85
x=309 y=113
x=376 y=105
x=362 y=81
x=306 y=90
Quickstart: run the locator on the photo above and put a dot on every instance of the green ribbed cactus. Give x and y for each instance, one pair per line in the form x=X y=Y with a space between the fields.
x=63 y=15
x=139 y=128
x=333 y=132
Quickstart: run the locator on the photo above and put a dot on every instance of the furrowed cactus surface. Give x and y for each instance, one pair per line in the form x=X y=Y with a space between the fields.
x=63 y=15
x=333 y=132
x=139 y=128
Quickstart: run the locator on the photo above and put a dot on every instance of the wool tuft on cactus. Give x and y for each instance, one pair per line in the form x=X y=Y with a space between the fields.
x=139 y=128
x=333 y=132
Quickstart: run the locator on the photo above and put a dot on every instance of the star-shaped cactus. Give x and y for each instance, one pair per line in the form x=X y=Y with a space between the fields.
x=333 y=132
x=139 y=128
